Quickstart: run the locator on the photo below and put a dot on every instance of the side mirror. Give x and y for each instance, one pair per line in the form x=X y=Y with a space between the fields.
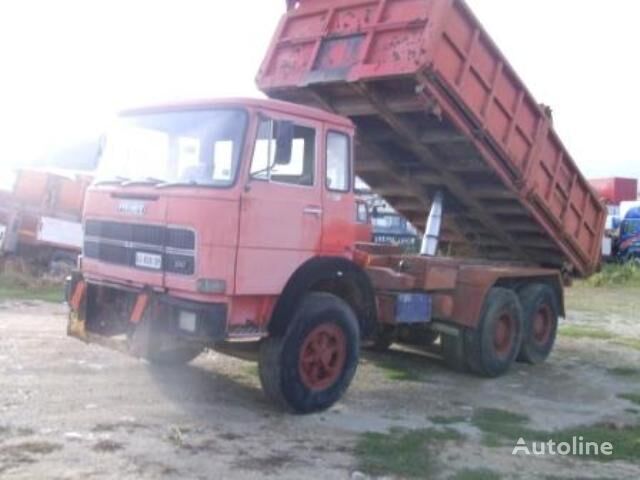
x=284 y=141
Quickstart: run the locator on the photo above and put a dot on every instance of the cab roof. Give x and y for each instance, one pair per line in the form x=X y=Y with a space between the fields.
x=253 y=103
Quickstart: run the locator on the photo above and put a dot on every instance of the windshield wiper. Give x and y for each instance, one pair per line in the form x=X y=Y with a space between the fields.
x=143 y=181
x=183 y=183
x=117 y=180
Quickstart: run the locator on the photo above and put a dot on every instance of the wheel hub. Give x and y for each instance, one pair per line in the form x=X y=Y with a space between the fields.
x=503 y=335
x=542 y=324
x=322 y=356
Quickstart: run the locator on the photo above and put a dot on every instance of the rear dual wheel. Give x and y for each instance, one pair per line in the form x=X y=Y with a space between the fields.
x=512 y=326
x=310 y=367
x=541 y=312
x=493 y=348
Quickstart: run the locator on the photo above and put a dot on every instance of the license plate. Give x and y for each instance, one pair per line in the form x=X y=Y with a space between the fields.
x=148 y=260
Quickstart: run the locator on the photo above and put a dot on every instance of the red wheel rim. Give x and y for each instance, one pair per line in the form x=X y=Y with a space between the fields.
x=542 y=325
x=322 y=356
x=503 y=335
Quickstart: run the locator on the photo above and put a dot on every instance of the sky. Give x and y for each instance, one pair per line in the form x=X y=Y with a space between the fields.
x=66 y=67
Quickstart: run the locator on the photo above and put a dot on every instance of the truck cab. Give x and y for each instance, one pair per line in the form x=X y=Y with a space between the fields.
x=628 y=242
x=205 y=218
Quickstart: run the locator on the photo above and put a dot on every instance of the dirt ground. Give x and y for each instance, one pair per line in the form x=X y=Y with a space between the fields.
x=71 y=411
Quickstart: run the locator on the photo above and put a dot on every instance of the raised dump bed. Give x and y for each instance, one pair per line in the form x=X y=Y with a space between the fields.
x=438 y=106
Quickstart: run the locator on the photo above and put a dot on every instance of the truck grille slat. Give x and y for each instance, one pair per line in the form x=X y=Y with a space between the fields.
x=118 y=243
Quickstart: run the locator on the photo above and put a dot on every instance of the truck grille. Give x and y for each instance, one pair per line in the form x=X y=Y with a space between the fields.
x=118 y=243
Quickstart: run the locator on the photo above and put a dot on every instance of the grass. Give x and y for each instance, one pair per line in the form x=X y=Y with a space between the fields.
x=504 y=428
x=629 y=342
x=592 y=333
x=394 y=369
x=603 y=301
x=632 y=397
x=402 y=452
x=624 y=371
x=440 y=420
x=476 y=474
x=578 y=331
x=251 y=370
x=413 y=453
x=21 y=286
x=615 y=275
x=625 y=441
x=499 y=424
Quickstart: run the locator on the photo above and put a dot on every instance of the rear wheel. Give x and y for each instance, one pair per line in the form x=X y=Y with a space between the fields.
x=540 y=307
x=310 y=367
x=492 y=349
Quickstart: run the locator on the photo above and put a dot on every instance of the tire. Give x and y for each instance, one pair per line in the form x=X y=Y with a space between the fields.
x=293 y=374
x=541 y=312
x=494 y=346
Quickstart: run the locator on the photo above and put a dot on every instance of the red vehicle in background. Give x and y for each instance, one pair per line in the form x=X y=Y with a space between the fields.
x=233 y=224
x=40 y=219
x=615 y=190
x=621 y=242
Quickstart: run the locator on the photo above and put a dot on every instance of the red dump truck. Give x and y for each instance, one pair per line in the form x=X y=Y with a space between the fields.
x=233 y=224
x=615 y=190
x=40 y=219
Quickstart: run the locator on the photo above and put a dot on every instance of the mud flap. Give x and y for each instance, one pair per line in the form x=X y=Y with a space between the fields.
x=75 y=296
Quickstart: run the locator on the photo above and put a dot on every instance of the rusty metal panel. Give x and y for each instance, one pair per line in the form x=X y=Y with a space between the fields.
x=437 y=105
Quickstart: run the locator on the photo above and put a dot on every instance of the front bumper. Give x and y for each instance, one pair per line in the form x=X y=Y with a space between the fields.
x=205 y=323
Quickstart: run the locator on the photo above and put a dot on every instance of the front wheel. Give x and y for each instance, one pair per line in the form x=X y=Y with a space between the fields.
x=310 y=367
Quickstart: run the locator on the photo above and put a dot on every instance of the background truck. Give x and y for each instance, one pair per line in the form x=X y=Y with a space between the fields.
x=233 y=224
x=626 y=240
x=615 y=192
x=40 y=219
x=389 y=227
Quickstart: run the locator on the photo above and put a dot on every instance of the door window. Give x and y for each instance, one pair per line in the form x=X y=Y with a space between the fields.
x=284 y=152
x=338 y=161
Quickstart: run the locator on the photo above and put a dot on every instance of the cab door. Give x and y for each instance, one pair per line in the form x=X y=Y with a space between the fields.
x=281 y=206
x=343 y=217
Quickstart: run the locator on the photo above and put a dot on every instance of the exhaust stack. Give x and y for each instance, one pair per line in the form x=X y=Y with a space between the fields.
x=434 y=222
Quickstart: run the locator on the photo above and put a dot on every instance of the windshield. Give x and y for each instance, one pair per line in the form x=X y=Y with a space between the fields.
x=631 y=227
x=196 y=147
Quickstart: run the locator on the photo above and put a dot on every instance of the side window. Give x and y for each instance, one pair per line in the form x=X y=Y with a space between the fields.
x=338 y=161
x=284 y=152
